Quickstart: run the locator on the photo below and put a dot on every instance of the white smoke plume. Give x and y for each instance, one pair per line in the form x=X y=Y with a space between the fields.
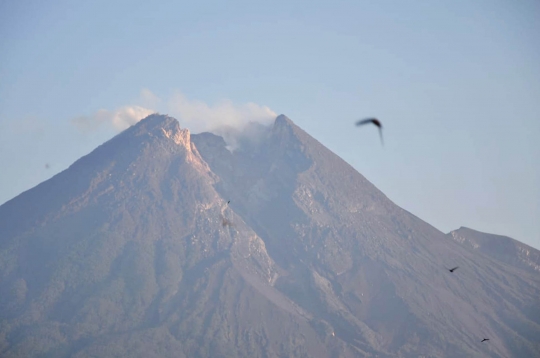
x=198 y=116
x=119 y=119
x=235 y=123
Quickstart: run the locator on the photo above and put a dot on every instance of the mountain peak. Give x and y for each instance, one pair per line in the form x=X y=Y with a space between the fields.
x=283 y=125
x=157 y=126
x=283 y=119
x=156 y=119
x=154 y=123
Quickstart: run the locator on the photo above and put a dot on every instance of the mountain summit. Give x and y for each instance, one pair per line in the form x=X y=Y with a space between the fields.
x=162 y=243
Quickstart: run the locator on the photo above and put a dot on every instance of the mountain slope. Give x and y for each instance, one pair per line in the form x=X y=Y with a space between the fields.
x=374 y=271
x=133 y=251
x=499 y=248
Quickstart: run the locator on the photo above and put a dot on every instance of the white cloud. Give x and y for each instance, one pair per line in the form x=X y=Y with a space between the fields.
x=229 y=120
x=119 y=119
x=198 y=116
x=223 y=117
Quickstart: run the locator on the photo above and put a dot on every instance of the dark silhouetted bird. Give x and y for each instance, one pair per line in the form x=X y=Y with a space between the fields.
x=485 y=339
x=453 y=269
x=228 y=202
x=47 y=166
x=376 y=122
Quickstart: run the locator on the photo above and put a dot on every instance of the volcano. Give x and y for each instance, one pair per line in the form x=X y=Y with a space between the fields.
x=136 y=251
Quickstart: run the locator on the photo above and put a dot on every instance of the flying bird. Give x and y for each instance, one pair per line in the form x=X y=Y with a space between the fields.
x=485 y=339
x=374 y=121
x=453 y=269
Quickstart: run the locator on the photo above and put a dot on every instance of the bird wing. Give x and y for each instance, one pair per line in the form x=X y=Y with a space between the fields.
x=364 y=121
x=380 y=134
x=455 y=268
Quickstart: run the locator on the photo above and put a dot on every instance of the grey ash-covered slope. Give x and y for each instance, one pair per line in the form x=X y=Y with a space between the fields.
x=125 y=254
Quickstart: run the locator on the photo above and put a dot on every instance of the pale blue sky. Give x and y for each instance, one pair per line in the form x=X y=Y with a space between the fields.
x=455 y=83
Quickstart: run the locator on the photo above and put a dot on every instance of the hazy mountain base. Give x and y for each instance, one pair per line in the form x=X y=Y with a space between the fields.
x=125 y=254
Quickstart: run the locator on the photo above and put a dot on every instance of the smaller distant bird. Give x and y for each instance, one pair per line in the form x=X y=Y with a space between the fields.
x=228 y=202
x=485 y=339
x=47 y=166
x=453 y=269
x=374 y=121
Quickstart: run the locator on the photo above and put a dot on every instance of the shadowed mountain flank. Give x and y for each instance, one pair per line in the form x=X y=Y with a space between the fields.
x=126 y=253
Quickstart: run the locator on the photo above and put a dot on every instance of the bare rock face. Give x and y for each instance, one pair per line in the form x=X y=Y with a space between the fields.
x=134 y=251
